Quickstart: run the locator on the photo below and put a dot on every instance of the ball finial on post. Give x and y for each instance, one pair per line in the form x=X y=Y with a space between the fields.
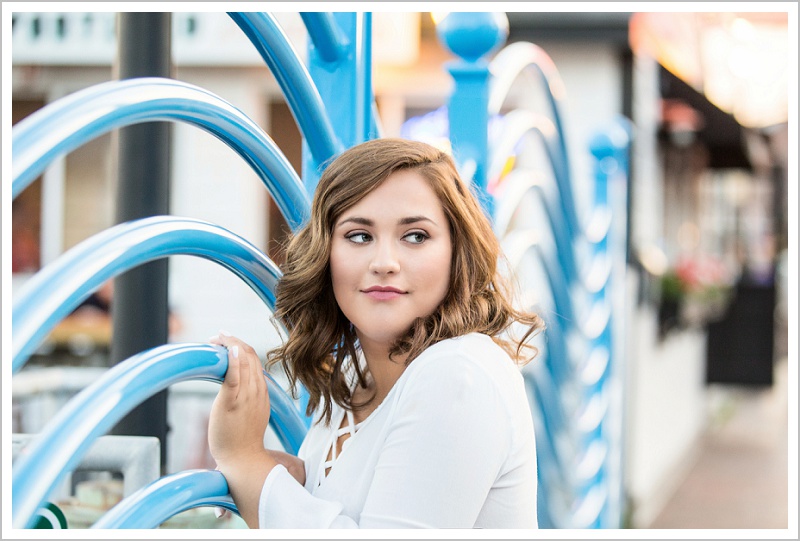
x=472 y=36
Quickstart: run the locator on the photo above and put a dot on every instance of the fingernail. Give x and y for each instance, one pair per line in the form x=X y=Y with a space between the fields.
x=235 y=351
x=224 y=333
x=218 y=512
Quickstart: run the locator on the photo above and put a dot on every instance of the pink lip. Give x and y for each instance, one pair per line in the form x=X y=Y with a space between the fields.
x=381 y=293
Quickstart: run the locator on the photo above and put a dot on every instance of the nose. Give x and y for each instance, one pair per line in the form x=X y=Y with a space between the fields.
x=385 y=259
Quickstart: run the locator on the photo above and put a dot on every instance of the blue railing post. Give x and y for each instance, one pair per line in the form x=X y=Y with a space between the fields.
x=320 y=142
x=340 y=64
x=610 y=151
x=472 y=37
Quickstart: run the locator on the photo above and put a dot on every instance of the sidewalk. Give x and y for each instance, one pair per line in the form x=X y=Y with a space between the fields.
x=740 y=479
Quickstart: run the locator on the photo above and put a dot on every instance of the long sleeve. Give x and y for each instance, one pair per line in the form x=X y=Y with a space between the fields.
x=447 y=455
x=285 y=503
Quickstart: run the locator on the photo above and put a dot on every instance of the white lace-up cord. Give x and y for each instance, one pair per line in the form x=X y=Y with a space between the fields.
x=350 y=428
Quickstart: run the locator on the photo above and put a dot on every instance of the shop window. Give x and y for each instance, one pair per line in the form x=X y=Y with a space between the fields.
x=283 y=130
x=26 y=210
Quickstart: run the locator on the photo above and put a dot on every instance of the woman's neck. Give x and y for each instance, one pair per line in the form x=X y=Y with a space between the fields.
x=384 y=371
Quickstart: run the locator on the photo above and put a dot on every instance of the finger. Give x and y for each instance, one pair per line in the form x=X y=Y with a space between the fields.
x=221 y=512
x=253 y=364
x=233 y=377
x=243 y=364
x=222 y=338
x=228 y=341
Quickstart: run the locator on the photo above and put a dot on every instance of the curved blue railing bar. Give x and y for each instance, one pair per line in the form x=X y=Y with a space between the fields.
x=287 y=421
x=511 y=193
x=565 y=235
x=301 y=94
x=56 y=290
x=506 y=66
x=96 y=409
x=517 y=244
x=547 y=380
x=164 y=498
x=596 y=271
x=66 y=124
x=573 y=301
x=516 y=124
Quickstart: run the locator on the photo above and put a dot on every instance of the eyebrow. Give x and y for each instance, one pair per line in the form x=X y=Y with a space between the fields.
x=369 y=223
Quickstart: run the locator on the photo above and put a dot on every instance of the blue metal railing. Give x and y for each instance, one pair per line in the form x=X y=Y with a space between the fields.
x=62 y=127
x=72 y=121
x=55 y=291
x=340 y=64
x=301 y=93
x=100 y=406
x=506 y=67
x=166 y=497
x=332 y=102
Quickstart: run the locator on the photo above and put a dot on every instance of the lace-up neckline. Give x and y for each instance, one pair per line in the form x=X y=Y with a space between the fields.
x=349 y=428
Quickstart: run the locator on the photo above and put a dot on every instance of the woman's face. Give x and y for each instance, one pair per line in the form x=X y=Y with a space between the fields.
x=390 y=258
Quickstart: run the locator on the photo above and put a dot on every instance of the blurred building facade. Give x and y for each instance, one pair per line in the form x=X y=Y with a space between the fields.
x=707 y=194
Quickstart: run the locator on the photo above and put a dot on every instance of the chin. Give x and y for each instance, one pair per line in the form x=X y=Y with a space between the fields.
x=380 y=336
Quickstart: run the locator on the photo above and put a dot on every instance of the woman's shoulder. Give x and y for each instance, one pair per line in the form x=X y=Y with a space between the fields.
x=465 y=359
x=473 y=347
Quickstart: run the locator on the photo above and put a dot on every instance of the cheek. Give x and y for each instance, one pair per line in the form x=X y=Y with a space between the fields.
x=345 y=269
x=437 y=273
x=339 y=285
x=338 y=268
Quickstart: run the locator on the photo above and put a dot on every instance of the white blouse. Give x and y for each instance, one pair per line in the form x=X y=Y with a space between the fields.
x=451 y=446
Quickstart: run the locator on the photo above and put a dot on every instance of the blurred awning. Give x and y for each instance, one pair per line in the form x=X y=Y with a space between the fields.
x=738 y=60
x=687 y=110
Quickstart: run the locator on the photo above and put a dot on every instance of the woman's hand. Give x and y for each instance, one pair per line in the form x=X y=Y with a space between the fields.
x=237 y=424
x=240 y=414
x=294 y=465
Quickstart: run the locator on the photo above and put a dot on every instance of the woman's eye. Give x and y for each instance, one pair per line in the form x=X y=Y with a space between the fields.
x=358 y=238
x=417 y=237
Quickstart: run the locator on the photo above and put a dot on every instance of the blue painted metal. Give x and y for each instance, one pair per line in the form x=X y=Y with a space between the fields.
x=506 y=67
x=94 y=411
x=301 y=95
x=56 y=290
x=571 y=390
x=364 y=82
x=472 y=36
x=514 y=187
x=164 y=498
x=286 y=419
x=344 y=81
x=326 y=37
x=100 y=406
x=66 y=124
x=610 y=150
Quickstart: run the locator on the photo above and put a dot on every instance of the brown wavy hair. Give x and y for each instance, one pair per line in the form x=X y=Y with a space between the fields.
x=321 y=340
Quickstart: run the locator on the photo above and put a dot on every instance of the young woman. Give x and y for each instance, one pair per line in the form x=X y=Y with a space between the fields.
x=399 y=326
